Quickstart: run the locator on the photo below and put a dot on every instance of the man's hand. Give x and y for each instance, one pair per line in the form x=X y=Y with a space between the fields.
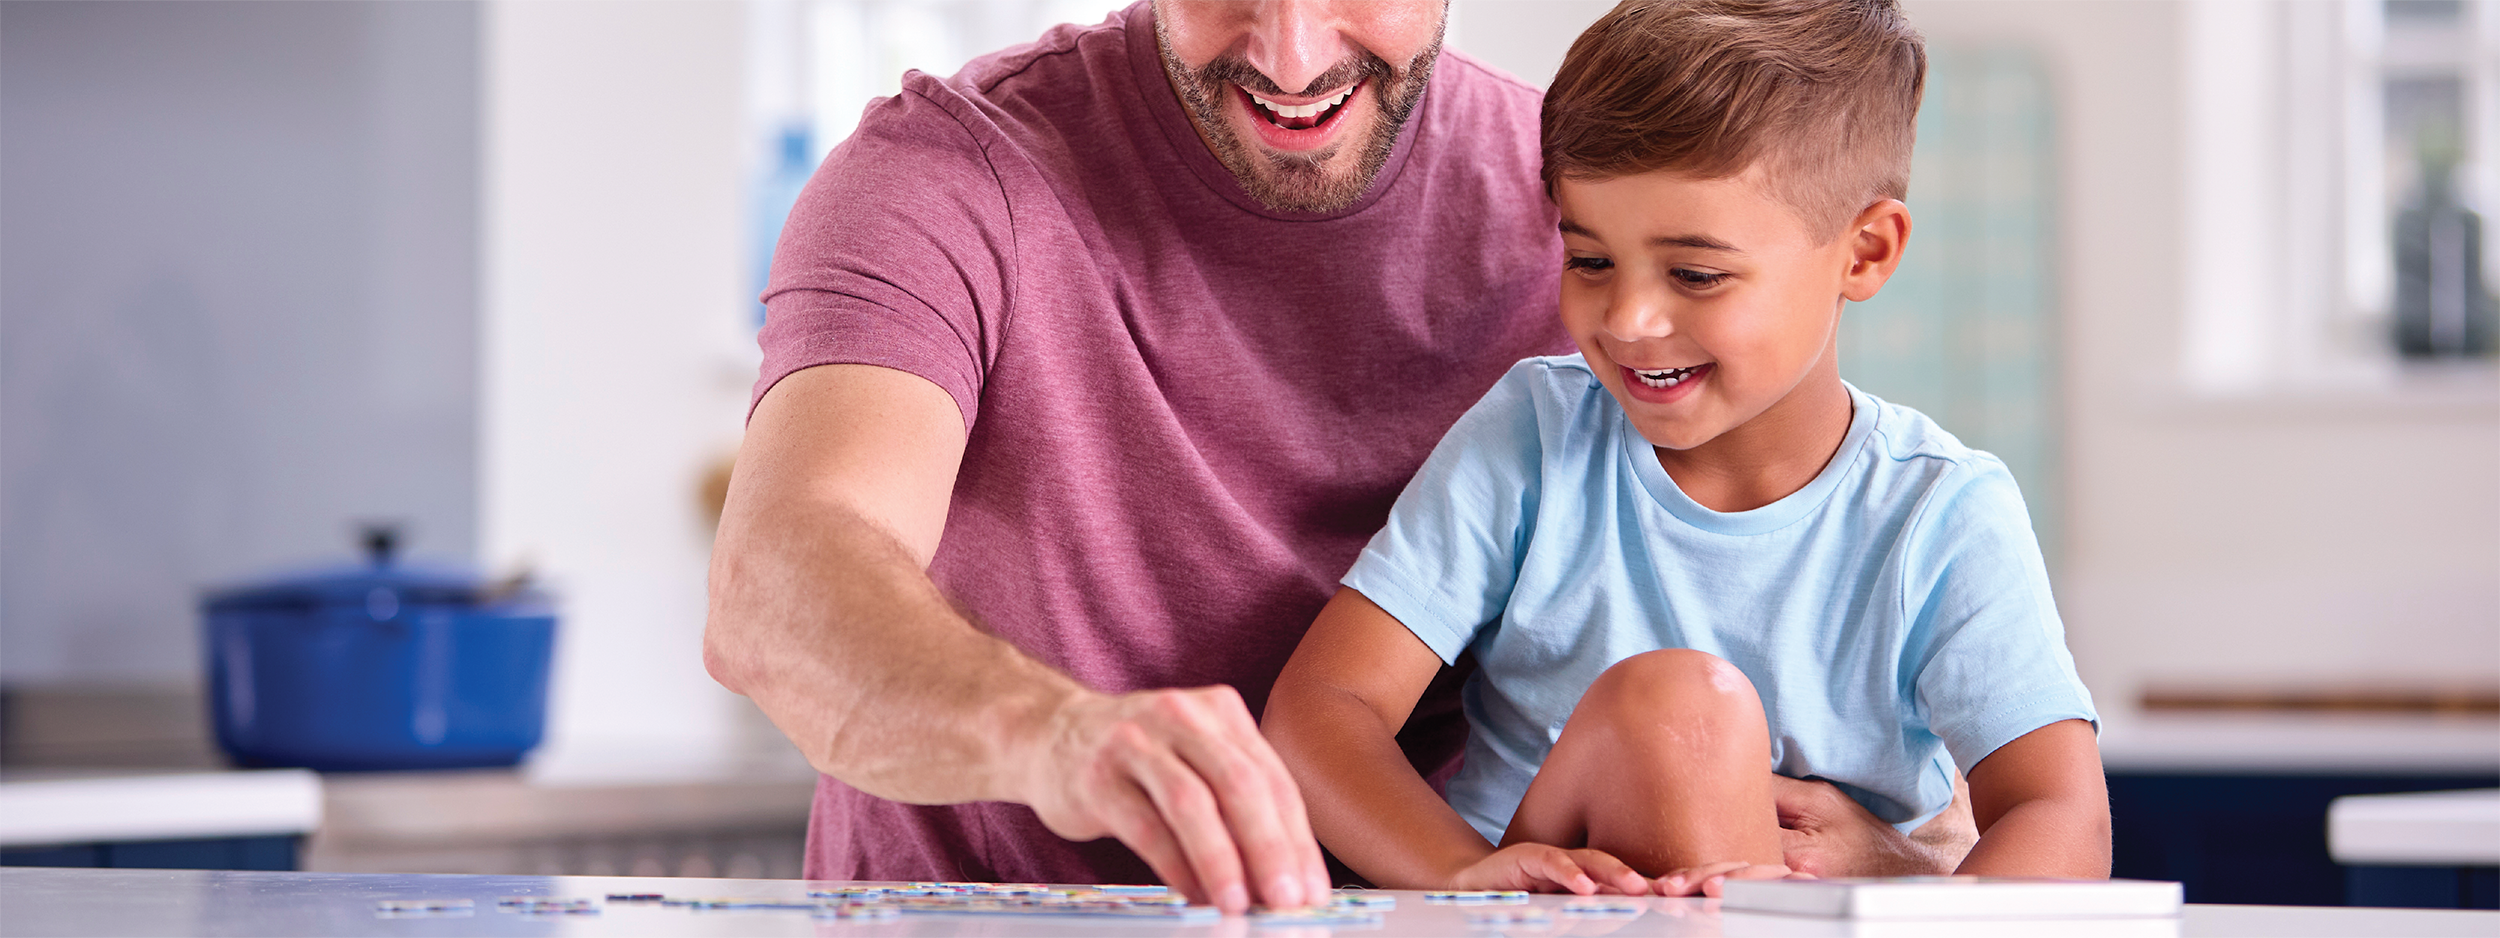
x=1545 y=868
x=1826 y=833
x=1185 y=780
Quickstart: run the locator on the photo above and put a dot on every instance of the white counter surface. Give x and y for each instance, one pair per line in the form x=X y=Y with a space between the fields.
x=191 y=902
x=2421 y=828
x=159 y=807
x=2263 y=743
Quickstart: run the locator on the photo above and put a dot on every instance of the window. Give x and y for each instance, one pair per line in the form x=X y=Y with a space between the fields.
x=2339 y=157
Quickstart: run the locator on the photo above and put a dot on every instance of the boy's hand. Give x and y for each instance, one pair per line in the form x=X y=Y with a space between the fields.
x=1710 y=879
x=1546 y=868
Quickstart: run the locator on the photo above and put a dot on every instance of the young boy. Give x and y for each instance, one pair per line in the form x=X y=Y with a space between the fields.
x=1691 y=556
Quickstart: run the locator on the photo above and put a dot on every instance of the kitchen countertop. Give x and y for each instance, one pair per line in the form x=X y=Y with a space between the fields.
x=189 y=902
x=2274 y=743
x=2424 y=828
x=40 y=808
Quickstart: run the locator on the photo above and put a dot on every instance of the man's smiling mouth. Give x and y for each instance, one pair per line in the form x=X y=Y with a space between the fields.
x=1668 y=378
x=1301 y=116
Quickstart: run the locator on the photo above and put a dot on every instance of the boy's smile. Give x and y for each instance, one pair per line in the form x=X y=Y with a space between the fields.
x=1709 y=310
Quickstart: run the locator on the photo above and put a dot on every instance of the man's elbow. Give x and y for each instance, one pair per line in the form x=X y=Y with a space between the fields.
x=728 y=654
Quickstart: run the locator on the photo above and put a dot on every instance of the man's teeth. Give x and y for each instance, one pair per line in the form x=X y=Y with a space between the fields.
x=1312 y=109
x=1668 y=378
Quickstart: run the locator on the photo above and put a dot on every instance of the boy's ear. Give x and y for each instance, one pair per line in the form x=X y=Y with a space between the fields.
x=1876 y=239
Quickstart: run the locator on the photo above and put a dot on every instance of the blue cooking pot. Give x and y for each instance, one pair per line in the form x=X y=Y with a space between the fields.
x=382 y=665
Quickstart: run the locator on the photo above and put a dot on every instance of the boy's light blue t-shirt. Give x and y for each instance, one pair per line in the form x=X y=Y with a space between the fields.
x=1894 y=614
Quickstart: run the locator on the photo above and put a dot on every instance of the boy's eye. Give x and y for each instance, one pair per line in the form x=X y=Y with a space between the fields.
x=1590 y=264
x=1697 y=279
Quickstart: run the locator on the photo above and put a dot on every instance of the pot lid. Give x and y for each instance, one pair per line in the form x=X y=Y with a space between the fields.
x=355 y=584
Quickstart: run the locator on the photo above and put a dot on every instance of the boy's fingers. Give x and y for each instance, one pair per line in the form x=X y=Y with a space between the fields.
x=1611 y=872
x=1557 y=868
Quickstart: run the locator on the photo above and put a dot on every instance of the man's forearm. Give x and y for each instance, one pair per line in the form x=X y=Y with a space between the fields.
x=828 y=623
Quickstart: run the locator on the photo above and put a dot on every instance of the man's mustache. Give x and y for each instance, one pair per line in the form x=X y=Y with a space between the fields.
x=1239 y=71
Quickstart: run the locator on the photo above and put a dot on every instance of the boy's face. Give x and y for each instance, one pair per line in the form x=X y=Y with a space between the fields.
x=1704 y=304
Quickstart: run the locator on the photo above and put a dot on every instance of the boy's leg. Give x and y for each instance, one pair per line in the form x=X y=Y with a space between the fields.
x=1665 y=764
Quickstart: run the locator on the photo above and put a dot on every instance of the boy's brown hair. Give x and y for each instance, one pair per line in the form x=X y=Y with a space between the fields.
x=1822 y=93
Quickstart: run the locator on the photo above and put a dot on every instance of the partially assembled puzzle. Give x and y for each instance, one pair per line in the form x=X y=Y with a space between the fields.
x=1345 y=907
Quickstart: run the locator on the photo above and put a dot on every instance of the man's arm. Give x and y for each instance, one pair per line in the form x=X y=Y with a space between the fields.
x=822 y=611
x=1827 y=833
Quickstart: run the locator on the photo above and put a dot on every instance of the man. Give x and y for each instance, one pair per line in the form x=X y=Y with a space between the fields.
x=1088 y=371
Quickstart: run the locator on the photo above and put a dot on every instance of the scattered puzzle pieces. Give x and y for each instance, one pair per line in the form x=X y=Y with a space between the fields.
x=1344 y=908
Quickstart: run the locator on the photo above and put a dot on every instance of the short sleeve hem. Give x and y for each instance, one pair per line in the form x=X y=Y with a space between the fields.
x=1971 y=744
x=841 y=329
x=1380 y=580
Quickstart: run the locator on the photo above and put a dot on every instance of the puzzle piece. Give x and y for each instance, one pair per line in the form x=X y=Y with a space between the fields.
x=1605 y=907
x=1361 y=899
x=1477 y=897
x=1317 y=915
x=546 y=905
x=1495 y=918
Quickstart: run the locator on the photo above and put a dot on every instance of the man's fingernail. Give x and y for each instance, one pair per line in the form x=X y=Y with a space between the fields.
x=1284 y=891
x=1234 y=896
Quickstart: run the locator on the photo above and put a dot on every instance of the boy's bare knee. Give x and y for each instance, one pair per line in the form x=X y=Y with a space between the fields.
x=1674 y=684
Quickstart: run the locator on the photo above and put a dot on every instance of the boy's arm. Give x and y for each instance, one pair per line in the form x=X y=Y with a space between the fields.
x=2042 y=805
x=1334 y=716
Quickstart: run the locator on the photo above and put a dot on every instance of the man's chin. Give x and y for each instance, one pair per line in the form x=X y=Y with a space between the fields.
x=1315 y=181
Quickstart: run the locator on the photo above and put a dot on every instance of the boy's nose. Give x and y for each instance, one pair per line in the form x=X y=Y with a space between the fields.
x=1637 y=314
x=1295 y=42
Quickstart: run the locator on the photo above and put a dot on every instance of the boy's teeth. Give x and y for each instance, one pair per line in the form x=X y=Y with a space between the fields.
x=1665 y=379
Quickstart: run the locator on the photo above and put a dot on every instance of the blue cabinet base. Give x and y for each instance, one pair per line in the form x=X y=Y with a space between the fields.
x=2261 y=839
x=2423 y=887
x=215 y=853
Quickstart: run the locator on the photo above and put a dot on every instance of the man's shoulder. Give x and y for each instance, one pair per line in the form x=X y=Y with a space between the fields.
x=1493 y=111
x=1014 y=95
x=1475 y=77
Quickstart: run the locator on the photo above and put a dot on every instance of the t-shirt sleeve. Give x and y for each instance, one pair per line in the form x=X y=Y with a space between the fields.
x=1990 y=661
x=1445 y=562
x=900 y=252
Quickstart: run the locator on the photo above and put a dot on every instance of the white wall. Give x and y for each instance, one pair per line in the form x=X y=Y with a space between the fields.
x=614 y=359
x=237 y=310
x=1526 y=38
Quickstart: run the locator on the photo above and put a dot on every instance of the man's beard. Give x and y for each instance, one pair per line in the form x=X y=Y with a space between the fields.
x=1300 y=182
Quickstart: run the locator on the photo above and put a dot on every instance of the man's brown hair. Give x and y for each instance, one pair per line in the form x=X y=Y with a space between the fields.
x=1822 y=93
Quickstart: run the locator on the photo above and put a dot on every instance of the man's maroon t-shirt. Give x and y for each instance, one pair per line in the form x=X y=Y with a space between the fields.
x=1186 y=412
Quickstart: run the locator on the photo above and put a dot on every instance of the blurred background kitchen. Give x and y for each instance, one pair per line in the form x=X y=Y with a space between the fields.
x=2211 y=275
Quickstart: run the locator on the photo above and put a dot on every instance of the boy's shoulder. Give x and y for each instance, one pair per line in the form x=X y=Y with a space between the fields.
x=1902 y=434
x=1555 y=393
x=1918 y=463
